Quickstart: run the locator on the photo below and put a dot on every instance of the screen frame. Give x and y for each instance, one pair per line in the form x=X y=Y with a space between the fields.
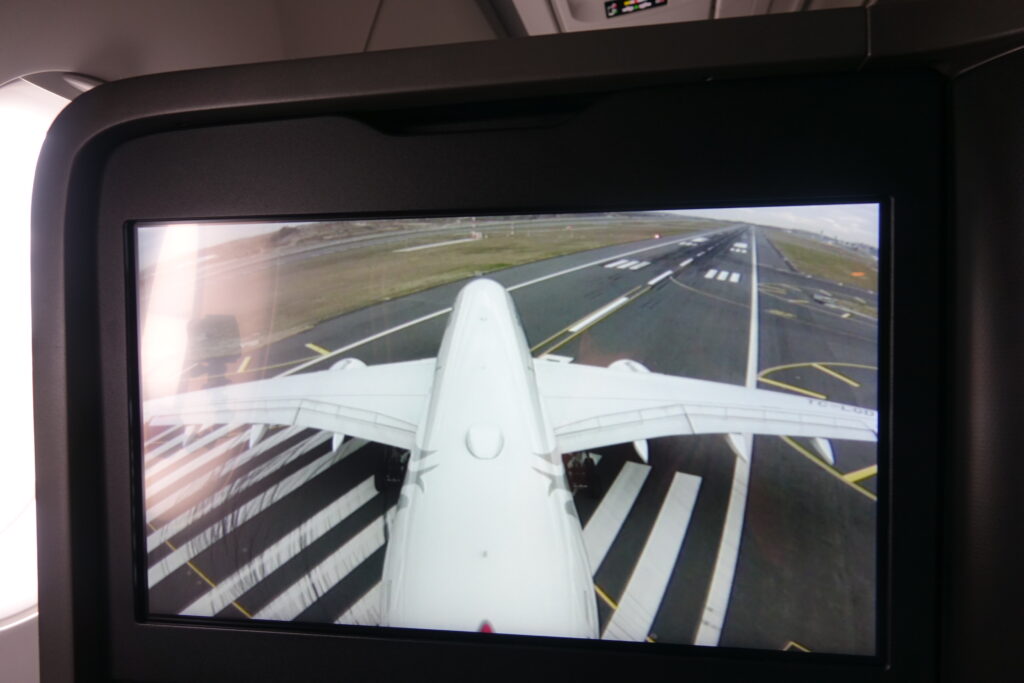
x=898 y=158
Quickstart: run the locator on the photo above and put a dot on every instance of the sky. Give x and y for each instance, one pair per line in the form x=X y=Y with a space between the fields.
x=849 y=222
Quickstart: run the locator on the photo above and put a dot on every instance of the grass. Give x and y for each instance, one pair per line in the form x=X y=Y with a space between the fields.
x=827 y=261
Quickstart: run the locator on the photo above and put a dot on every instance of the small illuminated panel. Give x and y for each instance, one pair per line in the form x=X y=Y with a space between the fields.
x=616 y=8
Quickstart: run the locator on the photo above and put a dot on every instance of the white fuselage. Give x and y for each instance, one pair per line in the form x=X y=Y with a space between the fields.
x=485 y=529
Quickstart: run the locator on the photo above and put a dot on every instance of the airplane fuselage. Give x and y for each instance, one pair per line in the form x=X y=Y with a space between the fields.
x=485 y=529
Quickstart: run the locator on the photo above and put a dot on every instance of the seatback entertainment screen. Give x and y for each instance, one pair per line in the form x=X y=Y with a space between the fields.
x=652 y=426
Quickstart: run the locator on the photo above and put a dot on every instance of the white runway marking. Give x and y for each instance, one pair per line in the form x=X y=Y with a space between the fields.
x=197 y=483
x=639 y=265
x=711 y=273
x=615 y=264
x=611 y=512
x=626 y=264
x=734 y=277
x=237 y=518
x=290 y=545
x=365 y=611
x=720 y=589
x=599 y=313
x=686 y=263
x=647 y=584
x=434 y=245
x=321 y=578
x=220 y=432
x=722 y=275
x=656 y=280
x=233 y=488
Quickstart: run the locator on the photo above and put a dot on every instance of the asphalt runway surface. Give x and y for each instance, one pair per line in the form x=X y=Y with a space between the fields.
x=282 y=530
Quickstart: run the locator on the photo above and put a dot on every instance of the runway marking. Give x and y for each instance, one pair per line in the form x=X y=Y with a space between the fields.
x=640 y=265
x=712 y=272
x=734 y=278
x=151 y=472
x=659 y=278
x=716 y=604
x=243 y=365
x=365 y=611
x=604 y=596
x=606 y=522
x=616 y=264
x=583 y=324
x=157 y=508
x=305 y=363
x=321 y=578
x=650 y=576
x=836 y=363
x=235 y=486
x=799 y=390
x=765 y=289
x=781 y=314
x=435 y=244
x=599 y=313
x=710 y=296
x=219 y=529
x=282 y=551
x=202 y=575
x=318 y=349
x=838 y=375
x=686 y=263
x=828 y=468
x=860 y=475
x=722 y=275
x=793 y=645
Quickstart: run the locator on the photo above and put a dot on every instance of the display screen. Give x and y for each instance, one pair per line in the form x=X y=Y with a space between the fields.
x=651 y=426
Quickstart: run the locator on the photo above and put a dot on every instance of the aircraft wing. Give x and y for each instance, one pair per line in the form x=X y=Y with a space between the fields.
x=382 y=403
x=589 y=407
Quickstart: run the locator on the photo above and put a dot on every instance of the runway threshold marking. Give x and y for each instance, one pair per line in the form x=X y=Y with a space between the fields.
x=838 y=375
x=202 y=575
x=861 y=474
x=828 y=468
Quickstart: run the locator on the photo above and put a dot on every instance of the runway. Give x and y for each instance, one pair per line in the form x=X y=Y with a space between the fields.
x=289 y=529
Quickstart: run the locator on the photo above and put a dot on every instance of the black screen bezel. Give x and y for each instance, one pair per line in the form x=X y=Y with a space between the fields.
x=889 y=125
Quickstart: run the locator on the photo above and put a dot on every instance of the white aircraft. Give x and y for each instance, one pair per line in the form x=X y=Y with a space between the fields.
x=485 y=534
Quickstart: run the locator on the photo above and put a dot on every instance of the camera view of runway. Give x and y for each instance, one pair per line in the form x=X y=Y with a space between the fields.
x=708 y=539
